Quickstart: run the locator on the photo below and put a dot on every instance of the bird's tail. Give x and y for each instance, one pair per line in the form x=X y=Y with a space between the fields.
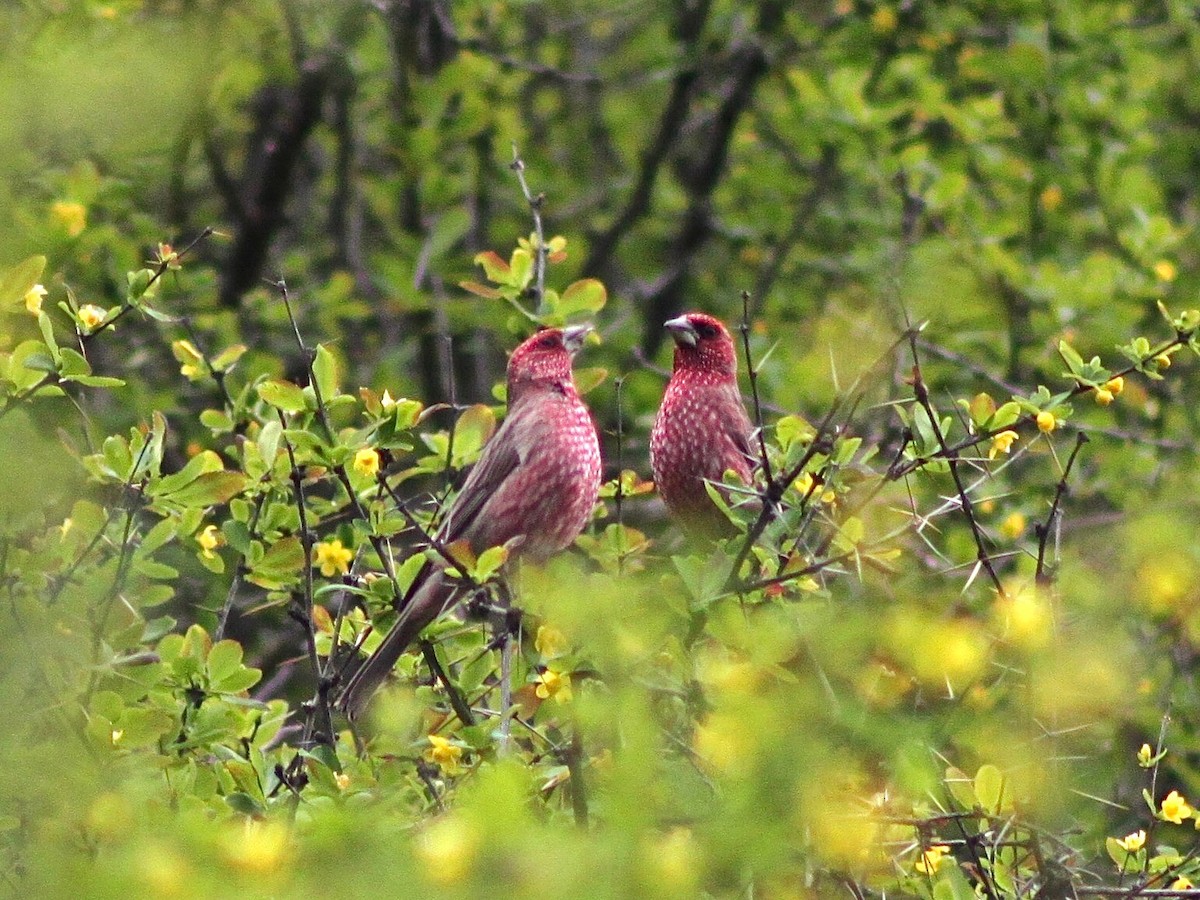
x=435 y=594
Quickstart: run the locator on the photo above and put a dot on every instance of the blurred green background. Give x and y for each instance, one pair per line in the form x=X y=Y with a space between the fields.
x=1007 y=175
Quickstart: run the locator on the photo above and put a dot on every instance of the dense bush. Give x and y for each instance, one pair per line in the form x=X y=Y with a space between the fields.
x=261 y=263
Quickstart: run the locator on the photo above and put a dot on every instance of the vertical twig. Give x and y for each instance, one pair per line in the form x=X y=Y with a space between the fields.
x=752 y=373
x=535 y=208
x=1043 y=531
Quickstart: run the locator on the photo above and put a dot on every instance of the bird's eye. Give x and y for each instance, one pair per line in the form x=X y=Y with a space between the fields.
x=705 y=329
x=548 y=341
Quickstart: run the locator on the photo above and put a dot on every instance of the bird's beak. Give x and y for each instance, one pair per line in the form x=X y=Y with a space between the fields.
x=574 y=336
x=682 y=331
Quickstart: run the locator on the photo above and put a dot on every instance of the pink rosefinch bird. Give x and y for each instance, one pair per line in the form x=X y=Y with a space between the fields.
x=702 y=428
x=533 y=488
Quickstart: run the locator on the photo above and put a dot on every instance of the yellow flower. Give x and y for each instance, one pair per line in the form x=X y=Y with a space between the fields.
x=1175 y=809
x=1002 y=443
x=1182 y=883
x=1132 y=843
x=209 y=540
x=90 y=317
x=342 y=780
x=1104 y=397
x=366 y=462
x=1165 y=270
x=1051 y=198
x=1115 y=384
x=550 y=642
x=554 y=684
x=1145 y=756
x=71 y=216
x=1013 y=526
x=1046 y=422
x=447 y=755
x=1163 y=361
x=932 y=859
x=332 y=558
x=33 y=299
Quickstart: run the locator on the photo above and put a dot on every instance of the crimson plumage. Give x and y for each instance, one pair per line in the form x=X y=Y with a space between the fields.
x=535 y=485
x=702 y=429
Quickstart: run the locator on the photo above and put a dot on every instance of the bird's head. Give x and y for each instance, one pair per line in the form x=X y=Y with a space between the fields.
x=702 y=344
x=546 y=357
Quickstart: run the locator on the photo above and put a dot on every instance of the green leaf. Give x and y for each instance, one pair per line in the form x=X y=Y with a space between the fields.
x=203 y=462
x=325 y=374
x=18 y=280
x=1005 y=416
x=100 y=381
x=989 y=788
x=587 y=380
x=225 y=360
x=481 y=290
x=224 y=659
x=283 y=395
x=489 y=562
x=207 y=490
x=47 y=329
x=268 y=441
x=472 y=430
x=241 y=802
x=494 y=267
x=587 y=295
x=521 y=268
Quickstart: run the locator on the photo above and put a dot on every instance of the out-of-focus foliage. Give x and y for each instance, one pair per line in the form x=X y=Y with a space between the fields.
x=259 y=263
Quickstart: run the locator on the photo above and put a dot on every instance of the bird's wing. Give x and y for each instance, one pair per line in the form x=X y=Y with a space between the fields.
x=502 y=456
x=736 y=424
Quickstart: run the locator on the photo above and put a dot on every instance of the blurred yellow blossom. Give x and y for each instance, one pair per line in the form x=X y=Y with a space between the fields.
x=258 y=848
x=550 y=642
x=447 y=849
x=884 y=20
x=446 y=754
x=1175 y=808
x=33 y=299
x=1163 y=361
x=1002 y=443
x=1104 y=396
x=366 y=462
x=1182 y=883
x=1013 y=526
x=1145 y=756
x=932 y=859
x=1046 y=422
x=71 y=216
x=1165 y=270
x=1115 y=385
x=1051 y=197
x=332 y=558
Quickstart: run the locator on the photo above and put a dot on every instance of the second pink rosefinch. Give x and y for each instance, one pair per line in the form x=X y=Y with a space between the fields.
x=702 y=429
x=534 y=488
